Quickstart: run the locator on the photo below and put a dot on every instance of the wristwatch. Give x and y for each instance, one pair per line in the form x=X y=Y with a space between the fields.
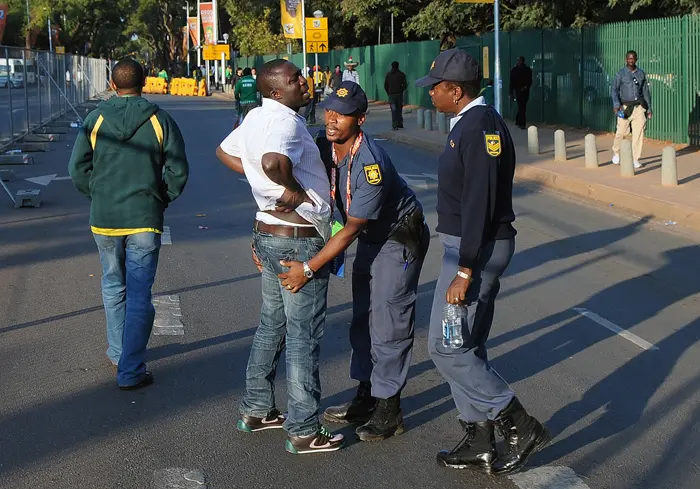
x=308 y=273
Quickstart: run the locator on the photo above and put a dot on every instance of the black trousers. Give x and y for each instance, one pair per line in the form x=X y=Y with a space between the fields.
x=521 y=97
x=396 y=104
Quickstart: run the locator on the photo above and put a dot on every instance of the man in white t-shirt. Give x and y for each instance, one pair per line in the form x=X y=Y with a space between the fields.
x=291 y=188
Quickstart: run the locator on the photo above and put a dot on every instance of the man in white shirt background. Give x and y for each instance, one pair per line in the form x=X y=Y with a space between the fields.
x=290 y=185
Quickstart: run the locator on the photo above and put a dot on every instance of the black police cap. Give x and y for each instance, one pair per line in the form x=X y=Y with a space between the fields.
x=347 y=99
x=454 y=65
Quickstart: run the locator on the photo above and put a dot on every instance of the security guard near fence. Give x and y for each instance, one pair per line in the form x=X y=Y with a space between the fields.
x=382 y=212
x=475 y=216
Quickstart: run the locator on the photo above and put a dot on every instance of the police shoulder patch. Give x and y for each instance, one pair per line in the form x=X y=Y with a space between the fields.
x=373 y=174
x=493 y=144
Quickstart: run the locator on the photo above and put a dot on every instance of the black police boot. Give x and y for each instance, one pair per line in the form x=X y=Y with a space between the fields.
x=386 y=421
x=524 y=436
x=477 y=450
x=359 y=410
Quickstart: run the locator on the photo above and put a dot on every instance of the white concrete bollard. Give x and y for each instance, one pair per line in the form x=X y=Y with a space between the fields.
x=420 y=117
x=559 y=146
x=428 y=120
x=591 y=152
x=626 y=161
x=669 y=170
x=533 y=140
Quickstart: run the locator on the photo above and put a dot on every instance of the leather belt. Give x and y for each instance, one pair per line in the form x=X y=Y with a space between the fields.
x=286 y=231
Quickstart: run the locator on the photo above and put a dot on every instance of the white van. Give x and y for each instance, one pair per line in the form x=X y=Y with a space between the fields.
x=16 y=69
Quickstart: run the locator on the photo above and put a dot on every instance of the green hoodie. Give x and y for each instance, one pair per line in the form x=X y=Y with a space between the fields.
x=129 y=178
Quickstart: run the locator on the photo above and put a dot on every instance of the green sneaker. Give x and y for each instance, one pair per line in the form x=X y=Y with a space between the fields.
x=323 y=441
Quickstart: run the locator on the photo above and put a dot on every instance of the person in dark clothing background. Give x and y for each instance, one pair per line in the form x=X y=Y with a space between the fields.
x=395 y=85
x=475 y=224
x=336 y=78
x=520 y=83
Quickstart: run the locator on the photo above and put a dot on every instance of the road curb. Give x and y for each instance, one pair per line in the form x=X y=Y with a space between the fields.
x=639 y=204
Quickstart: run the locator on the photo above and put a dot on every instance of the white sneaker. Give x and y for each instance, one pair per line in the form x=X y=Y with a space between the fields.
x=637 y=165
x=616 y=159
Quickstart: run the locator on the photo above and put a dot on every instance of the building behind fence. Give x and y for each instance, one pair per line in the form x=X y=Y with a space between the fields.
x=36 y=87
x=572 y=71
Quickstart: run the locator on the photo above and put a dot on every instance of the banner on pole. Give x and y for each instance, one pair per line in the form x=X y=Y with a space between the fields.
x=291 y=18
x=192 y=24
x=3 y=19
x=184 y=41
x=206 y=10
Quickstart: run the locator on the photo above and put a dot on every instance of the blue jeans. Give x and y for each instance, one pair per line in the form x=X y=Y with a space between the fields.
x=295 y=319
x=129 y=266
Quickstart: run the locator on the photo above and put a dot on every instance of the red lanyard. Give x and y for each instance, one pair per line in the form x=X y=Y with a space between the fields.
x=353 y=151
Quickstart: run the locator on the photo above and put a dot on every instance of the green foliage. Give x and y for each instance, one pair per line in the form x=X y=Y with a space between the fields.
x=254 y=36
x=151 y=28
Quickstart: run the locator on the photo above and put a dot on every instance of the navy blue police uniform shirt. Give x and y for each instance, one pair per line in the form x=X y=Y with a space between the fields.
x=475 y=182
x=378 y=193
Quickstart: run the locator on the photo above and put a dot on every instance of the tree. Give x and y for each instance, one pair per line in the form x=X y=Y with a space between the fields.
x=158 y=23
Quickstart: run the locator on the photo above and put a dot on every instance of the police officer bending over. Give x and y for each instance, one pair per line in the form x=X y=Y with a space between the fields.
x=382 y=213
x=475 y=216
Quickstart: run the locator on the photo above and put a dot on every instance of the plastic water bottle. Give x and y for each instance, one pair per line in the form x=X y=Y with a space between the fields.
x=621 y=114
x=453 y=319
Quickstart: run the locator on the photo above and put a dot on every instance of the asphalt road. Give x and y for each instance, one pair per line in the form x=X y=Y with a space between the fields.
x=624 y=417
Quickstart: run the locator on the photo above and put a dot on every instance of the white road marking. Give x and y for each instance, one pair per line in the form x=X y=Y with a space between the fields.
x=42 y=180
x=548 y=478
x=179 y=478
x=641 y=343
x=62 y=178
x=168 y=314
x=165 y=238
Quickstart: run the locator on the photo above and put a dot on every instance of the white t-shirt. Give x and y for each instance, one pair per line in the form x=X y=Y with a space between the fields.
x=275 y=128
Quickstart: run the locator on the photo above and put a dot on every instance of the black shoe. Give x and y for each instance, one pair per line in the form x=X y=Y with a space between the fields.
x=386 y=421
x=146 y=381
x=359 y=410
x=250 y=424
x=524 y=436
x=477 y=450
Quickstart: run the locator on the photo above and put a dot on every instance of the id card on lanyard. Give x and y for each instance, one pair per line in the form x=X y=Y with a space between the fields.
x=338 y=263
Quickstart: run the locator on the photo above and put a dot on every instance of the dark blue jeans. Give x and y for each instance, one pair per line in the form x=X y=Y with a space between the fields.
x=129 y=266
x=296 y=320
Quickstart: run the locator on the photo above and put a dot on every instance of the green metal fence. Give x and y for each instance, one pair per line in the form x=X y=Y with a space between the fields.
x=572 y=71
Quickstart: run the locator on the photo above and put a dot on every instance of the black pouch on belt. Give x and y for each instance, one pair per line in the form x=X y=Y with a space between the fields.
x=628 y=108
x=414 y=234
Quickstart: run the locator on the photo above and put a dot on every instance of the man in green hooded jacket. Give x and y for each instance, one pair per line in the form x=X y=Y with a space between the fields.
x=129 y=160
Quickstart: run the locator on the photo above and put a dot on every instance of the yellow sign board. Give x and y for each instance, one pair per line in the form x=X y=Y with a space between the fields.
x=317 y=47
x=60 y=50
x=313 y=23
x=317 y=35
x=213 y=52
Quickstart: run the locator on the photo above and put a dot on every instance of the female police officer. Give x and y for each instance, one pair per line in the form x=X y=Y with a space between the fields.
x=382 y=212
x=475 y=215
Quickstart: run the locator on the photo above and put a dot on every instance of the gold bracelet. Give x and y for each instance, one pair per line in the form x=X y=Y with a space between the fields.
x=464 y=275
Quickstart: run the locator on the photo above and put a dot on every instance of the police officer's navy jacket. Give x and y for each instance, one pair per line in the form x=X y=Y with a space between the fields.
x=475 y=176
x=378 y=192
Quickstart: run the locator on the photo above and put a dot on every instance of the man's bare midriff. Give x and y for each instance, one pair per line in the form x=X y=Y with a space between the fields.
x=290 y=217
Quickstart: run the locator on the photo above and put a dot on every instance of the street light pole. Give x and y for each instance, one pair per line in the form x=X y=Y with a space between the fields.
x=50 y=36
x=199 y=37
x=497 y=59
x=187 y=34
